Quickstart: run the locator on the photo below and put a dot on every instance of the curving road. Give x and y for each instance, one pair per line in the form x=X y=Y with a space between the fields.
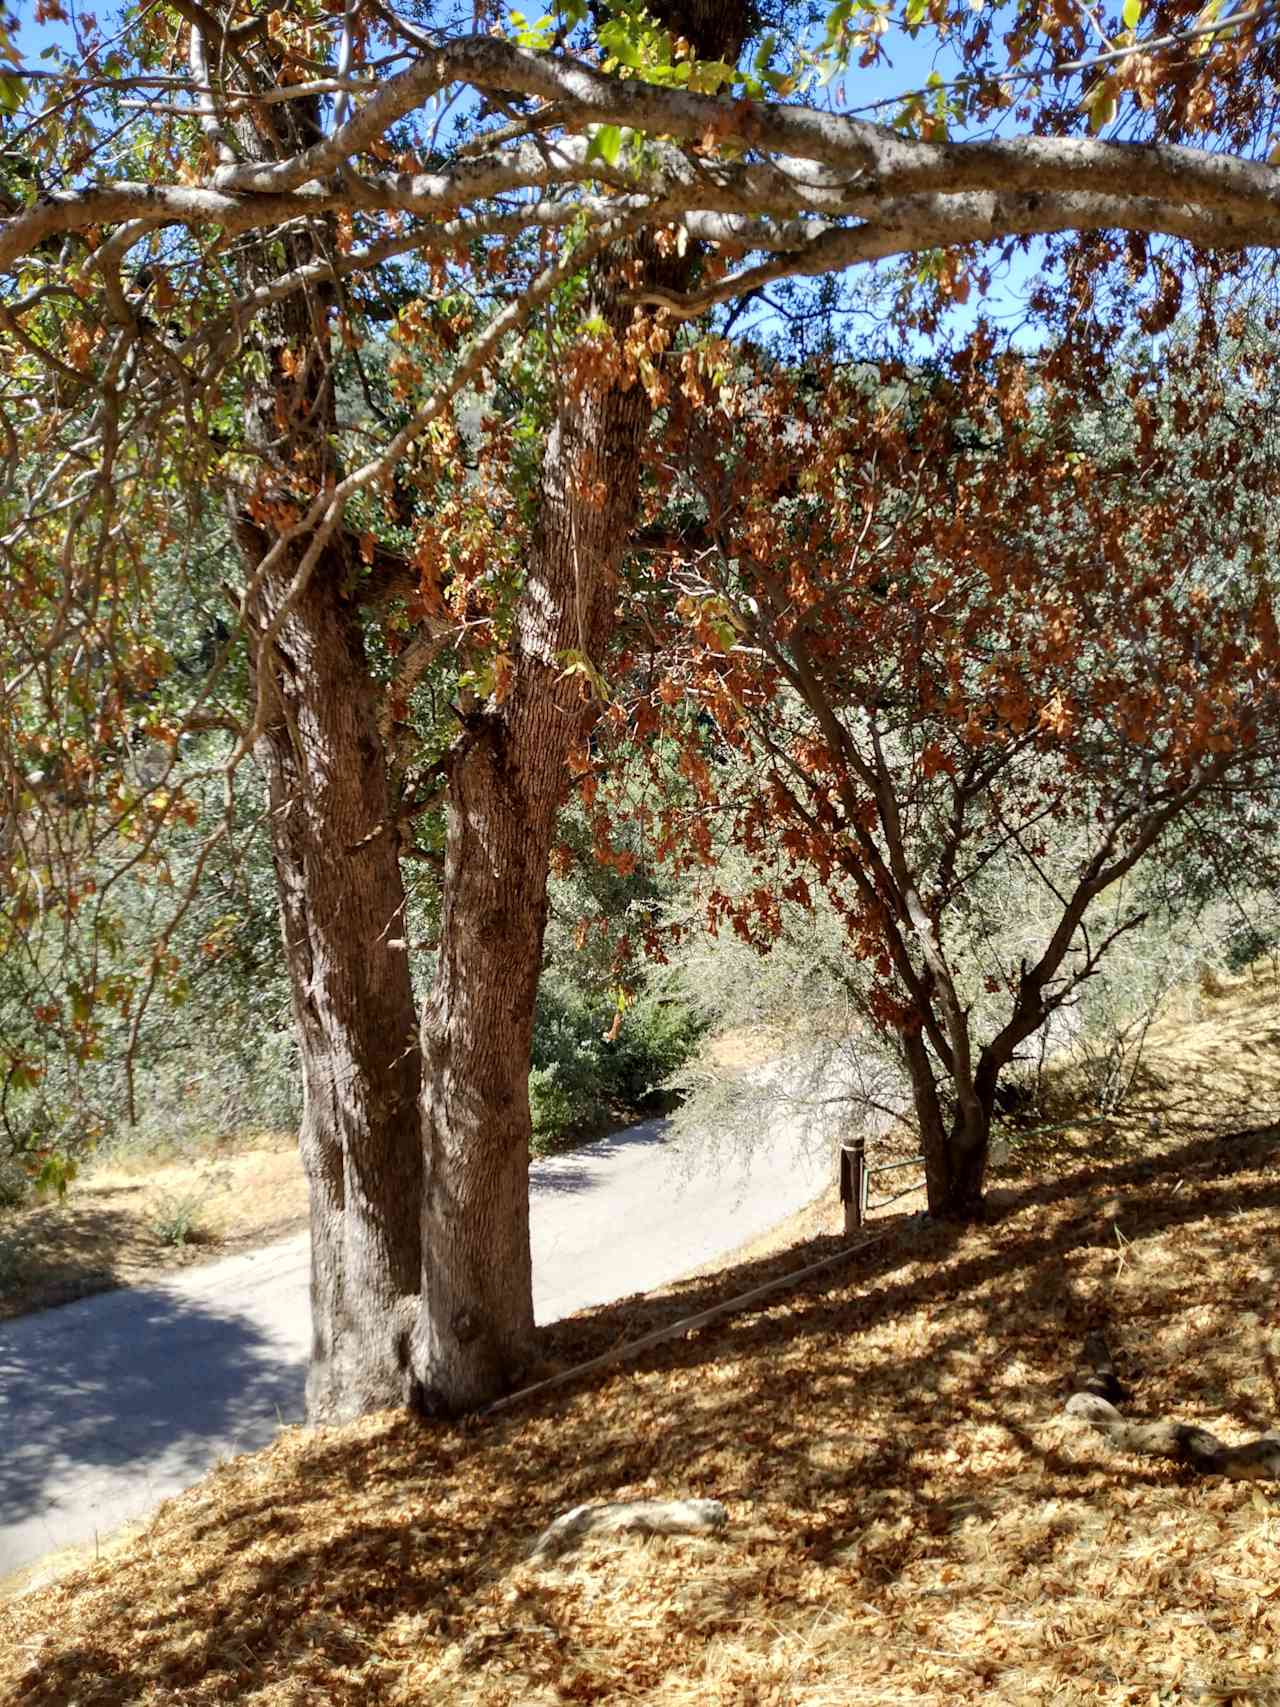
x=110 y=1404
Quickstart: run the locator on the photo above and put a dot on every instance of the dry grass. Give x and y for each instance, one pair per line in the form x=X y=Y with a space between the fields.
x=911 y=1519
x=108 y=1230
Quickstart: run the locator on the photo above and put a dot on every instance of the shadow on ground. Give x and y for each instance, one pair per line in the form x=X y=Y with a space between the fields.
x=75 y=1250
x=90 y=1386
x=306 y=1572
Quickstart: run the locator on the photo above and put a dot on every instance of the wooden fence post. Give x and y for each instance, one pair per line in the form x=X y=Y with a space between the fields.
x=853 y=1182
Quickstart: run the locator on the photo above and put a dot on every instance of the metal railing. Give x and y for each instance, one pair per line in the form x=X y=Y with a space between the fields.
x=856 y=1173
x=855 y=1181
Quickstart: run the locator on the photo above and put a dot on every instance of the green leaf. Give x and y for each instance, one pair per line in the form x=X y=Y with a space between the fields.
x=620 y=45
x=1132 y=13
x=915 y=13
x=1101 y=114
x=538 y=36
x=55 y=1175
x=764 y=53
x=606 y=144
x=837 y=21
x=1100 y=104
x=577 y=663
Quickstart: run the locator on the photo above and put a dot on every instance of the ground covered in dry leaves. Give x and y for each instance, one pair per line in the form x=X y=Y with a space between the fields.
x=911 y=1519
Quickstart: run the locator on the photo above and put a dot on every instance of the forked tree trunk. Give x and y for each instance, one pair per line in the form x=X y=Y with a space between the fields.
x=507 y=781
x=372 y=1166
x=421 y=1272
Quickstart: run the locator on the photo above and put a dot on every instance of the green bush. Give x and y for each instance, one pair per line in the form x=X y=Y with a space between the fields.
x=15 y=1183
x=177 y=1220
x=179 y=1216
x=1249 y=940
x=558 y=1109
x=583 y=1079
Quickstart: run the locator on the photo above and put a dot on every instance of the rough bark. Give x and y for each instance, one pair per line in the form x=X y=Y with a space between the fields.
x=507 y=779
x=955 y=1150
x=336 y=855
x=342 y=911
x=506 y=784
x=421 y=1272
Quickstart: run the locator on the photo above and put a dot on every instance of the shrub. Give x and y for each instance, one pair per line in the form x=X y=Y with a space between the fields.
x=583 y=1078
x=558 y=1110
x=178 y=1218
x=15 y=1184
x=1249 y=940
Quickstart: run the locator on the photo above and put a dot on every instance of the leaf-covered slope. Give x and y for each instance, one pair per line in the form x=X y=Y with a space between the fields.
x=911 y=1518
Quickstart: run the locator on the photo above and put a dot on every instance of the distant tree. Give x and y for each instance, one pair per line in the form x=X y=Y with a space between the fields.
x=959 y=624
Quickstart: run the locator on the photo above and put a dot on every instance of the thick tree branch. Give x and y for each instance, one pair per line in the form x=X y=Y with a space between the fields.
x=947 y=220
x=907 y=194
x=898 y=165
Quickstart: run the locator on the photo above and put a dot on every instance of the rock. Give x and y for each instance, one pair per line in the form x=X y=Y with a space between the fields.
x=642 y=1517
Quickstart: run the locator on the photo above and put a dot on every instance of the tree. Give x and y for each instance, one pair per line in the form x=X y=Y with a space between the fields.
x=207 y=212
x=978 y=644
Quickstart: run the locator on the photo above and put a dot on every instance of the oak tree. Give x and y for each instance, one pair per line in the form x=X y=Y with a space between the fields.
x=208 y=206
x=976 y=639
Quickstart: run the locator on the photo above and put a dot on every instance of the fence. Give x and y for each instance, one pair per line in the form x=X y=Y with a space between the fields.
x=856 y=1173
x=855 y=1181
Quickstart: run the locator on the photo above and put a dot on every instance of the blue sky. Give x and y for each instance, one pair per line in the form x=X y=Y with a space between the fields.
x=912 y=60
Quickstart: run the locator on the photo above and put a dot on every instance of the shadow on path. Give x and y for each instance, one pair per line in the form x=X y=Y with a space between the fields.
x=144 y=1376
x=580 y=1168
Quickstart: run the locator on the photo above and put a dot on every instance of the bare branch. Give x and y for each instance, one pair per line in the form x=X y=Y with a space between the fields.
x=943 y=221
x=210 y=123
x=325 y=512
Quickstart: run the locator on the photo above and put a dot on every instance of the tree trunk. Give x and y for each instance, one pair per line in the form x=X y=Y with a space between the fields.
x=342 y=904
x=475 y=1321
x=955 y=1151
x=468 y=1334
x=507 y=781
x=335 y=845
x=969 y=1142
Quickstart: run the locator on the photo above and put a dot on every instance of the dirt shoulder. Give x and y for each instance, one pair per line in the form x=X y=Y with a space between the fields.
x=124 y=1221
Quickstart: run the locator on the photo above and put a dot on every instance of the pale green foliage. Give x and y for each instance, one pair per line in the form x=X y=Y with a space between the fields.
x=799 y=1012
x=602 y=1048
x=179 y=1216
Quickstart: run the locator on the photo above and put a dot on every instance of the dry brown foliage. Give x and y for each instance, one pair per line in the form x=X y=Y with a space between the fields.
x=911 y=1518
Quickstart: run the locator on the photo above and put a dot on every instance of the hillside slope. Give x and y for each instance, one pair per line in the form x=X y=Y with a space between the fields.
x=911 y=1517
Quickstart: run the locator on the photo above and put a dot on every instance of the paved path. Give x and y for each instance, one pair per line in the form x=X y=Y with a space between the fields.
x=110 y=1404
